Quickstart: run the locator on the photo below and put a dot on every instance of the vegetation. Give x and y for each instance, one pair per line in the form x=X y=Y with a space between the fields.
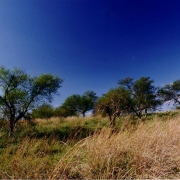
x=131 y=97
x=20 y=93
x=131 y=141
x=143 y=95
x=77 y=104
x=45 y=111
x=88 y=148
x=114 y=103
x=171 y=92
x=63 y=112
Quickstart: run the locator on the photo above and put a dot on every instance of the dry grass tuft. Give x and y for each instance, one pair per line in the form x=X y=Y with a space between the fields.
x=150 y=151
x=32 y=159
x=140 y=150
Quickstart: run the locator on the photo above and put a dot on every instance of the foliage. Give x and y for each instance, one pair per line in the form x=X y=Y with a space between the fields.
x=171 y=92
x=44 y=111
x=114 y=103
x=77 y=104
x=61 y=112
x=178 y=108
x=131 y=97
x=143 y=95
x=21 y=93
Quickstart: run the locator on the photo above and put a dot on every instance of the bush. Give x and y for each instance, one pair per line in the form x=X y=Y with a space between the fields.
x=44 y=112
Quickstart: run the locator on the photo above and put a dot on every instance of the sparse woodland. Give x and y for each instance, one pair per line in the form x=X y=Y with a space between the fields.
x=126 y=136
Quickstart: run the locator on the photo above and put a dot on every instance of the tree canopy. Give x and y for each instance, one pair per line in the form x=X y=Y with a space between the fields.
x=114 y=103
x=21 y=93
x=45 y=111
x=77 y=104
x=144 y=94
x=171 y=92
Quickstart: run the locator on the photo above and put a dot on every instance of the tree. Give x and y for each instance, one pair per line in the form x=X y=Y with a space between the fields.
x=63 y=112
x=71 y=104
x=21 y=93
x=87 y=102
x=80 y=104
x=114 y=103
x=45 y=111
x=143 y=95
x=171 y=92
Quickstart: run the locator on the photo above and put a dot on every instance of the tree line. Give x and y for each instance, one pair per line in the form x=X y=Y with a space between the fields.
x=74 y=105
x=136 y=97
x=25 y=97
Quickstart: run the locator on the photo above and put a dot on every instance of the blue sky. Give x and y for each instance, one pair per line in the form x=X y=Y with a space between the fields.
x=92 y=44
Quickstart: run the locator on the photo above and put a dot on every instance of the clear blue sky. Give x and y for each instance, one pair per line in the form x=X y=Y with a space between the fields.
x=92 y=44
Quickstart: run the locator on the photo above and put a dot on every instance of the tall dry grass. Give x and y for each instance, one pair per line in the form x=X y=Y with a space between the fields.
x=152 y=150
x=31 y=159
x=142 y=150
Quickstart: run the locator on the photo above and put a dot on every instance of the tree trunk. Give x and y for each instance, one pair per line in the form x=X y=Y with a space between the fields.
x=84 y=114
x=138 y=114
x=146 y=113
x=112 y=121
x=11 y=130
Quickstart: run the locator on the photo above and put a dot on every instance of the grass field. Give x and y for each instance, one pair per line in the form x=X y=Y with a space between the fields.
x=88 y=148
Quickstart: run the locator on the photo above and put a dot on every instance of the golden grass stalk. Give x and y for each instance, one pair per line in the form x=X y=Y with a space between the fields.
x=150 y=151
x=32 y=159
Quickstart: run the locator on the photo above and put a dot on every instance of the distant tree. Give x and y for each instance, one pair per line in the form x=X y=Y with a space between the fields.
x=71 y=104
x=78 y=104
x=87 y=102
x=171 y=92
x=178 y=108
x=143 y=95
x=45 y=111
x=63 y=112
x=20 y=93
x=114 y=103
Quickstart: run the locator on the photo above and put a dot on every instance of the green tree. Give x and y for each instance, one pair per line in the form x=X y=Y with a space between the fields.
x=45 y=111
x=171 y=92
x=71 y=104
x=21 y=93
x=114 y=103
x=78 y=104
x=63 y=112
x=143 y=95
